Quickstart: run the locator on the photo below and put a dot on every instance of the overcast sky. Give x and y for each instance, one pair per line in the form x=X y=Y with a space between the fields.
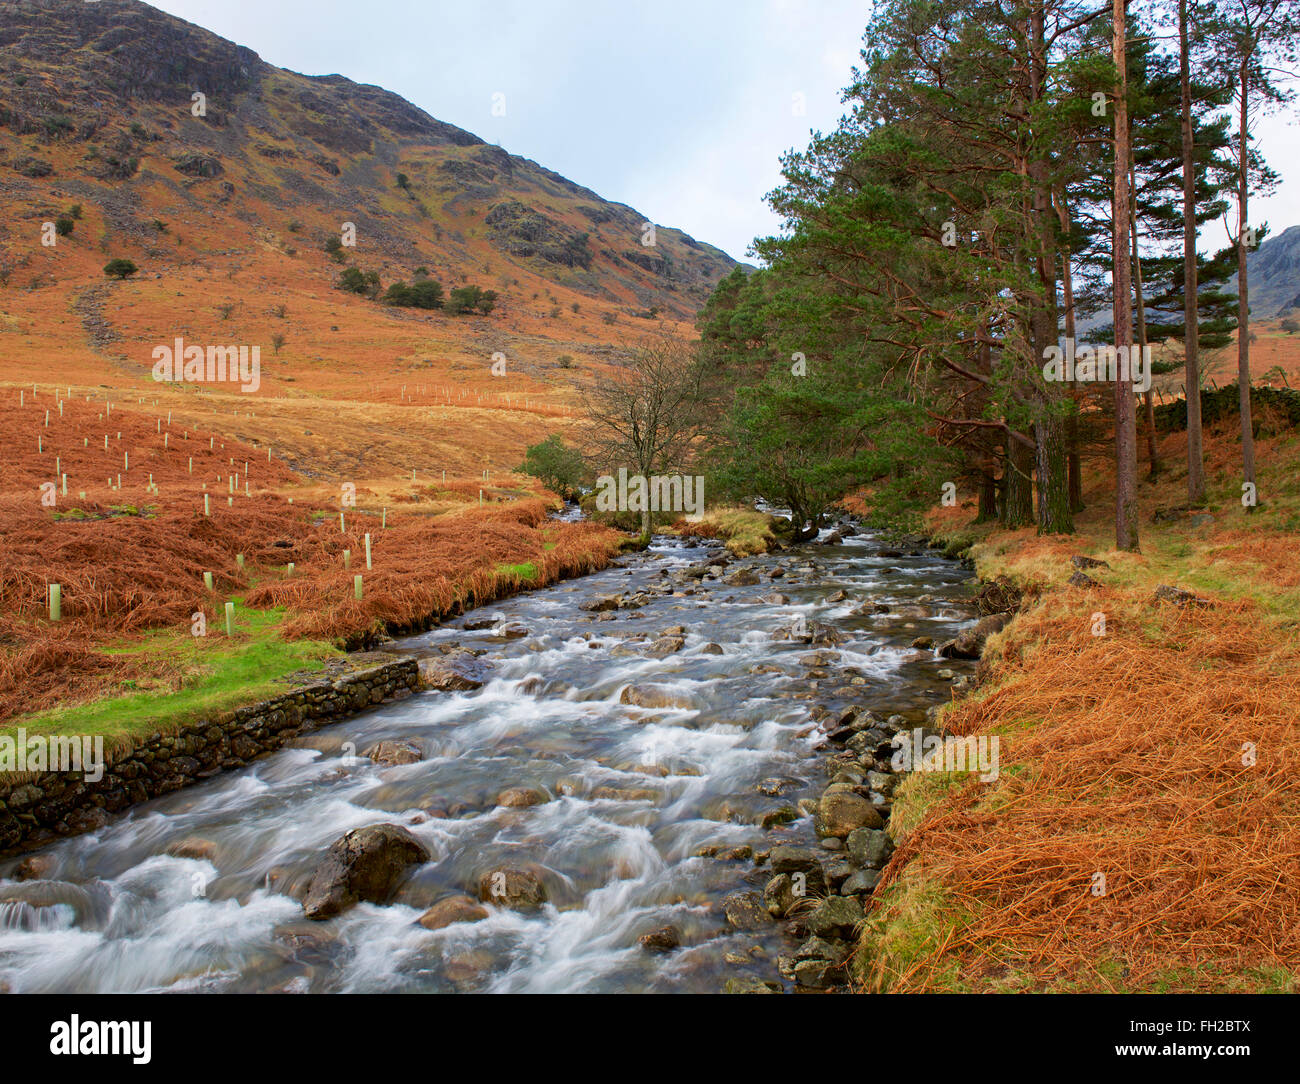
x=679 y=108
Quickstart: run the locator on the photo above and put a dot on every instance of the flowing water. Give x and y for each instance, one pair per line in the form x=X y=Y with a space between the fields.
x=117 y=913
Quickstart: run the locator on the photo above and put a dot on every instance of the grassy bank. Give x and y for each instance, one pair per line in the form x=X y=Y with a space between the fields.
x=745 y=531
x=1144 y=831
x=142 y=646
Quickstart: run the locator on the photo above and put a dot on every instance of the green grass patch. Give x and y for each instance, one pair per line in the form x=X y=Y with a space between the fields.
x=526 y=571
x=217 y=674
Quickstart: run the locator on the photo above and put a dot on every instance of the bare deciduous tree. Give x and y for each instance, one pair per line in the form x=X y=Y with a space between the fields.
x=644 y=415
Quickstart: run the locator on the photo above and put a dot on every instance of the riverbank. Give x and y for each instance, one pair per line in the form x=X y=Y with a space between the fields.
x=1142 y=832
x=170 y=615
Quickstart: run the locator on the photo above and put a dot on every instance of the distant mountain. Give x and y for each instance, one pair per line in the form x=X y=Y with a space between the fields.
x=1273 y=275
x=97 y=104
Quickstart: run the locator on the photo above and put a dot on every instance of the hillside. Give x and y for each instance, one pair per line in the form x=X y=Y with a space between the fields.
x=1273 y=270
x=227 y=215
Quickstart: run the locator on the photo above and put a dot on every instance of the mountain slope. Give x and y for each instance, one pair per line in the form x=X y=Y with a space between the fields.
x=100 y=96
x=1273 y=275
x=227 y=216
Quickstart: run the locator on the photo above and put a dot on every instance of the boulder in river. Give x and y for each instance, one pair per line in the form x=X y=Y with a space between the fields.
x=389 y=753
x=665 y=646
x=742 y=578
x=522 y=797
x=451 y=910
x=447 y=675
x=37 y=867
x=203 y=850
x=839 y=813
x=366 y=864
x=517 y=889
x=625 y=794
x=654 y=696
x=601 y=603
x=778 y=895
x=745 y=911
x=664 y=939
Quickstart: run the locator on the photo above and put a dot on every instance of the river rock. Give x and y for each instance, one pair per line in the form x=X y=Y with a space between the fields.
x=836 y=916
x=869 y=847
x=601 y=603
x=665 y=646
x=745 y=910
x=517 y=889
x=864 y=881
x=743 y=577
x=803 y=861
x=825 y=635
x=444 y=677
x=389 y=753
x=522 y=797
x=366 y=864
x=35 y=867
x=750 y=985
x=839 y=813
x=969 y=644
x=712 y=649
x=625 y=794
x=194 y=847
x=664 y=939
x=654 y=696
x=451 y=910
x=779 y=895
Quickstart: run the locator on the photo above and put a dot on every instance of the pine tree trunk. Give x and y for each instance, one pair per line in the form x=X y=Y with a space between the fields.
x=988 y=495
x=1053 y=477
x=1018 y=483
x=1049 y=430
x=1074 y=465
x=1148 y=408
x=1243 y=304
x=1126 y=519
x=1191 y=317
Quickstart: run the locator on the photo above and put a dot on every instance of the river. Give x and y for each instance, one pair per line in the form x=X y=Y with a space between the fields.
x=116 y=913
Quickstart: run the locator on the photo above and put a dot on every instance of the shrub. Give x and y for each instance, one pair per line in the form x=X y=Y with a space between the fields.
x=356 y=281
x=555 y=464
x=469 y=298
x=63 y=225
x=120 y=269
x=334 y=246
